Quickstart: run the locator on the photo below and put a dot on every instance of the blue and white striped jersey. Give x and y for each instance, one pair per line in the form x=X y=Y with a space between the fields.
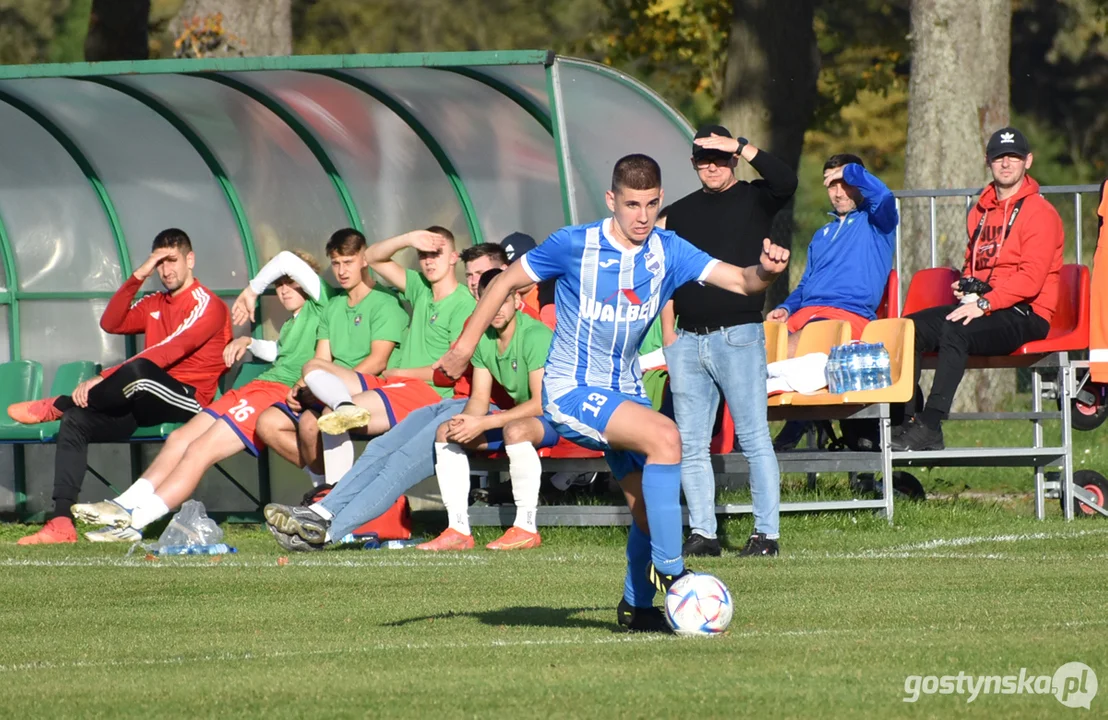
x=605 y=298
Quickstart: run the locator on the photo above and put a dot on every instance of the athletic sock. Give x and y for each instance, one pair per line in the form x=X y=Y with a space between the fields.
x=321 y=511
x=316 y=478
x=452 y=471
x=525 y=469
x=637 y=588
x=338 y=456
x=328 y=389
x=133 y=495
x=150 y=509
x=661 y=492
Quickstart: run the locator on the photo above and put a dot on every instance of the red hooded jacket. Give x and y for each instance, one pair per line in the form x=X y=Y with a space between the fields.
x=1024 y=268
x=185 y=335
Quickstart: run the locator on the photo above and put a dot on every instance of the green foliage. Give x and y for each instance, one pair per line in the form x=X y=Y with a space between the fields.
x=27 y=28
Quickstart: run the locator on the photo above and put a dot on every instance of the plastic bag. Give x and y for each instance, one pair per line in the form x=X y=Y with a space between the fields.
x=190 y=527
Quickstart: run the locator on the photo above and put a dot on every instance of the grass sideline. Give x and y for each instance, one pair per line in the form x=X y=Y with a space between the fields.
x=831 y=628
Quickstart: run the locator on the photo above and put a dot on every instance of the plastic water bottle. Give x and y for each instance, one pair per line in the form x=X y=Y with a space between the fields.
x=376 y=544
x=216 y=549
x=833 y=370
x=352 y=539
x=857 y=367
x=884 y=371
x=870 y=380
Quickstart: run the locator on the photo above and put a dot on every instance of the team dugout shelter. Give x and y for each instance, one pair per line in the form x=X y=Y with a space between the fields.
x=251 y=156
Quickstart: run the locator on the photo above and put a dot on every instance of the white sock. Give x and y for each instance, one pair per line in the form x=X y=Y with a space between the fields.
x=150 y=509
x=525 y=469
x=452 y=471
x=338 y=456
x=315 y=477
x=133 y=495
x=328 y=389
x=320 y=511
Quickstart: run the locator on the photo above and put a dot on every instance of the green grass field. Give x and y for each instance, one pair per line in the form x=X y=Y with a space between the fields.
x=829 y=629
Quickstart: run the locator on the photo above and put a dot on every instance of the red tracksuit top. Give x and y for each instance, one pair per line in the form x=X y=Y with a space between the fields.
x=1026 y=266
x=185 y=335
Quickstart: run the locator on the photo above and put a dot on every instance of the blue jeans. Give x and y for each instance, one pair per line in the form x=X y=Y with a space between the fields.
x=390 y=465
x=732 y=359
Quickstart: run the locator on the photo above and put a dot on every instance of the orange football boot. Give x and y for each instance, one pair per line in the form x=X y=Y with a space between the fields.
x=32 y=412
x=516 y=539
x=55 y=532
x=450 y=539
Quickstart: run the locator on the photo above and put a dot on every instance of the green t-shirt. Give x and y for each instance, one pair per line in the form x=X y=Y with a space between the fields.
x=653 y=339
x=296 y=341
x=351 y=330
x=435 y=325
x=526 y=352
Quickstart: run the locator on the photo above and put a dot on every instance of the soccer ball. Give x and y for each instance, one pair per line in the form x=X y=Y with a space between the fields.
x=698 y=604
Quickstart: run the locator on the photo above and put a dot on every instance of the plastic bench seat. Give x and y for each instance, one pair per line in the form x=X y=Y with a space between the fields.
x=899 y=337
x=819 y=336
x=20 y=380
x=889 y=307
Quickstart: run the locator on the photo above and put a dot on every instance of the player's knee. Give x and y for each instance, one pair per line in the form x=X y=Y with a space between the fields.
x=516 y=432
x=667 y=442
x=313 y=364
x=177 y=440
x=440 y=434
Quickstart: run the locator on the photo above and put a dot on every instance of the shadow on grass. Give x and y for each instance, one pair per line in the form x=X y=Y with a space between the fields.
x=525 y=617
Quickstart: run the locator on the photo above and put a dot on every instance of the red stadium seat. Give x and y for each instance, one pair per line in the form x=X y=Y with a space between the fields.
x=889 y=307
x=1069 y=328
x=930 y=288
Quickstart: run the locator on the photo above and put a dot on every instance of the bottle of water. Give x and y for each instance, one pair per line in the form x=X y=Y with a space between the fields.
x=376 y=544
x=833 y=370
x=351 y=538
x=884 y=371
x=216 y=549
x=857 y=366
x=870 y=380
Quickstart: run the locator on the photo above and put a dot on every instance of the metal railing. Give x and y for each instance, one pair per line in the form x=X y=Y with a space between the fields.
x=970 y=194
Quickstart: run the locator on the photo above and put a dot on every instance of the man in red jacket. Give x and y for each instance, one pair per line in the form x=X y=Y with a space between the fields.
x=1015 y=255
x=186 y=328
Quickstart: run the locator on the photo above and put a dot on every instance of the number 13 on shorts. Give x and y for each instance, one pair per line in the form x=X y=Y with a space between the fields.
x=593 y=403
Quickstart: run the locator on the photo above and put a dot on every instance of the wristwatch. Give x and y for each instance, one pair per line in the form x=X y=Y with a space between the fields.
x=984 y=305
x=743 y=142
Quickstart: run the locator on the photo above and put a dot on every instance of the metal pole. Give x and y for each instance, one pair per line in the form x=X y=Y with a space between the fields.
x=1037 y=406
x=1077 y=223
x=934 y=239
x=1066 y=379
x=562 y=141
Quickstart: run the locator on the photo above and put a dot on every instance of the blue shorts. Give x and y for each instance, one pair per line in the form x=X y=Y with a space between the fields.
x=495 y=437
x=582 y=415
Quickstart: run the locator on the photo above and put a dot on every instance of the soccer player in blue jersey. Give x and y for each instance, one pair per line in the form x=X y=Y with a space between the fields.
x=613 y=276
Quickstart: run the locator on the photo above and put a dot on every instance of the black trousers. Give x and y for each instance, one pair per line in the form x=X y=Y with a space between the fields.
x=138 y=394
x=999 y=333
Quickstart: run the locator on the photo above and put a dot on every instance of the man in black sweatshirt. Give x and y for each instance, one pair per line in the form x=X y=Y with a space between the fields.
x=719 y=343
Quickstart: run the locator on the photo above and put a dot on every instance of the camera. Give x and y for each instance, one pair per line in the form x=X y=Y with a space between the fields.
x=973 y=286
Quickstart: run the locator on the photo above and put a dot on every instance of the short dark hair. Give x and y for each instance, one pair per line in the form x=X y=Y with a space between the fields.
x=486 y=279
x=837 y=161
x=173 y=238
x=636 y=172
x=440 y=230
x=494 y=252
x=345 y=242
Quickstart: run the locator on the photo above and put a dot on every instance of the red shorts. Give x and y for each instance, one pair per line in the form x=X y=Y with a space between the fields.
x=401 y=395
x=240 y=409
x=805 y=315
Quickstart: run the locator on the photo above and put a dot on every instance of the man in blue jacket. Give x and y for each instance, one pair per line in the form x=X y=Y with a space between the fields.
x=849 y=260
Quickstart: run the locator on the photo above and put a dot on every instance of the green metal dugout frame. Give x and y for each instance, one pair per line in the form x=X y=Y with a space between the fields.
x=560 y=161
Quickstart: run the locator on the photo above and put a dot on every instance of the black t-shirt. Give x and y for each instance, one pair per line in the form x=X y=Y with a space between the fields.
x=730 y=226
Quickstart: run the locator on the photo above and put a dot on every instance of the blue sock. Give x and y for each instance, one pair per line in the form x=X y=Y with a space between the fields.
x=637 y=589
x=661 y=491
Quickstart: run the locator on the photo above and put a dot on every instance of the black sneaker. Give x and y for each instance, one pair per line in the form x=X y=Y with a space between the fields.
x=759 y=544
x=661 y=581
x=899 y=430
x=919 y=438
x=292 y=543
x=699 y=546
x=790 y=435
x=635 y=619
x=297 y=520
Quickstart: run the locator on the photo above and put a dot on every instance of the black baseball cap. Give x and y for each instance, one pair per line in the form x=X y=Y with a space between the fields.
x=516 y=244
x=707 y=131
x=1007 y=141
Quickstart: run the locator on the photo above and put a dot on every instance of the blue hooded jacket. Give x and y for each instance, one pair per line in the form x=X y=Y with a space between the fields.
x=850 y=258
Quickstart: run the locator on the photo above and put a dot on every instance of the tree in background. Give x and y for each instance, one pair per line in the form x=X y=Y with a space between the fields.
x=203 y=28
x=950 y=117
